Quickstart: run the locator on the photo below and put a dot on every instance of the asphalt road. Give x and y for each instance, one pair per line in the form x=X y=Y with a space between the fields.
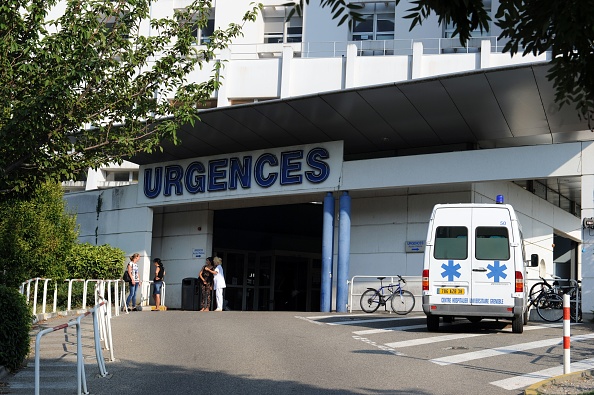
x=182 y=352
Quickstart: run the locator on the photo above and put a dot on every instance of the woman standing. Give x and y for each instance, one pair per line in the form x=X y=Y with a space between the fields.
x=206 y=277
x=219 y=282
x=158 y=282
x=132 y=269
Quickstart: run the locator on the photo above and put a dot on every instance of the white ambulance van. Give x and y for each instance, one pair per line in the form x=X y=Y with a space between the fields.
x=474 y=265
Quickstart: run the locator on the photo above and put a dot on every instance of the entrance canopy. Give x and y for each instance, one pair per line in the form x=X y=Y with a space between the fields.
x=490 y=108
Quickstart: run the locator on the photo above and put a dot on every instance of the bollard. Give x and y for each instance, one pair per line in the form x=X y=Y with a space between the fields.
x=566 y=335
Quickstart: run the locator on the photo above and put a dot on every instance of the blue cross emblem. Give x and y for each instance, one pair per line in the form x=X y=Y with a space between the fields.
x=450 y=270
x=496 y=271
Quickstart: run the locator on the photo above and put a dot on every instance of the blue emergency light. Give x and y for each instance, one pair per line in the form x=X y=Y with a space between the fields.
x=499 y=199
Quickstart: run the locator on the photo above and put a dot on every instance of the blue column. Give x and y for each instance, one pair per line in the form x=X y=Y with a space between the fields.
x=327 y=253
x=344 y=251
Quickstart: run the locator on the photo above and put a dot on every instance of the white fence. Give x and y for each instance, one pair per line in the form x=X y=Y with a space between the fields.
x=113 y=291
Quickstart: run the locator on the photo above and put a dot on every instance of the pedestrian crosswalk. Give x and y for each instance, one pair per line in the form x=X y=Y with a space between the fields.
x=385 y=333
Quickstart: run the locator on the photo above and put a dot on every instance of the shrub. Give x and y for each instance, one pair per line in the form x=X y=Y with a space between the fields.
x=15 y=325
x=36 y=236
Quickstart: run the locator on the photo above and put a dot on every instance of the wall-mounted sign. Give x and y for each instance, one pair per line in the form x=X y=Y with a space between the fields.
x=198 y=253
x=279 y=170
x=415 y=246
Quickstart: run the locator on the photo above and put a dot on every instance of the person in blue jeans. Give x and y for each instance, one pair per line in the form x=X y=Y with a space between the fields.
x=132 y=269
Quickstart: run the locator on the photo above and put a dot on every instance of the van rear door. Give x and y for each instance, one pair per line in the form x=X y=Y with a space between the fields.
x=450 y=273
x=493 y=270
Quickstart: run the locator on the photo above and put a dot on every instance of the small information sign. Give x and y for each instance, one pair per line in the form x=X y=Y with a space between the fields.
x=415 y=246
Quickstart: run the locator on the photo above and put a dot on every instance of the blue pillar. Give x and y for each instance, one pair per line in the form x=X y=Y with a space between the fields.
x=327 y=253
x=344 y=251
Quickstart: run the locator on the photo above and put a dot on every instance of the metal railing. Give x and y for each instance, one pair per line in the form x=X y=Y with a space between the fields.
x=359 y=284
x=114 y=292
x=309 y=49
x=104 y=322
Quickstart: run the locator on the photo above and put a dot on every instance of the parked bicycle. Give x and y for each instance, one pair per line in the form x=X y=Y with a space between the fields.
x=549 y=303
x=401 y=301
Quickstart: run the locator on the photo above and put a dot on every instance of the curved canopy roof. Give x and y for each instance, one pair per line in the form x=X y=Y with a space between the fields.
x=489 y=108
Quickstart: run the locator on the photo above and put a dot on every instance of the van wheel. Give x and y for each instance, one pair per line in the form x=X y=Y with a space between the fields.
x=518 y=324
x=432 y=323
x=526 y=315
x=475 y=320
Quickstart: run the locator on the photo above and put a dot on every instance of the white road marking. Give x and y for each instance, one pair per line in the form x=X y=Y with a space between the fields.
x=470 y=356
x=433 y=339
x=392 y=329
x=527 y=379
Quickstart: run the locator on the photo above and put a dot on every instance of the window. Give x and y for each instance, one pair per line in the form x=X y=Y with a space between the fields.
x=203 y=34
x=449 y=28
x=377 y=23
x=492 y=243
x=451 y=242
x=276 y=27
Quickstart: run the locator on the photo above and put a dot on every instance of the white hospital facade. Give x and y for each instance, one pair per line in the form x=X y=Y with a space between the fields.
x=325 y=150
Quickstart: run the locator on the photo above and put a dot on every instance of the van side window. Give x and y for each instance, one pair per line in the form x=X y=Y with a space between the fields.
x=492 y=243
x=451 y=242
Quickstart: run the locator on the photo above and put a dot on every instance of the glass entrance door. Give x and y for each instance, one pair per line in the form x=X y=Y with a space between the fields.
x=271 y=281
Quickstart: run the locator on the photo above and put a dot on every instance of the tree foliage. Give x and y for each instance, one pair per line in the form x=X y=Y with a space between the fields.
x=564 y=27
x=88 y=86
x=15 y=324
x=95 y=262
x=36 y=236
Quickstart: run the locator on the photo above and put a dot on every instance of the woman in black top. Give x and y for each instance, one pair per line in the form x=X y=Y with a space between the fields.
x=158 y=281
x=206 y=277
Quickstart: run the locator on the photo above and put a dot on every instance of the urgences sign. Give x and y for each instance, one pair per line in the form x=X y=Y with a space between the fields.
x=270 y=170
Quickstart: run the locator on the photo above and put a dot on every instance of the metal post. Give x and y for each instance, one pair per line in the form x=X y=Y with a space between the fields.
x=344 y=247
x=327 y=253
x=566 y=335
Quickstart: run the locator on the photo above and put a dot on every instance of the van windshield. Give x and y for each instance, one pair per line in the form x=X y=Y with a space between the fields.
x=451 y=242
x=492 y=243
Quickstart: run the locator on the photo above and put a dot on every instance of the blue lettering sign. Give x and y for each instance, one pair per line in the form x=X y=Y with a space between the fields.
x=288 y=168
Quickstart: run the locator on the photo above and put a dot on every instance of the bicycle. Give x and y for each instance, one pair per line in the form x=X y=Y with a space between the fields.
x=401 y=301
x=549 y=304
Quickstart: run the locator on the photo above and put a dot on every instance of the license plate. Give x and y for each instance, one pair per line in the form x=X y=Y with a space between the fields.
x=450 y=291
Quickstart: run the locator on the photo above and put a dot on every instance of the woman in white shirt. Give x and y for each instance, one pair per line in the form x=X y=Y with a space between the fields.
x=134 y=280
x=219 y=282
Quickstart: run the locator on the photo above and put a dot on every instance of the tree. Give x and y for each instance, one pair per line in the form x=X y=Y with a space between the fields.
x=36 y=236
x=563 y=27
x=90 y=87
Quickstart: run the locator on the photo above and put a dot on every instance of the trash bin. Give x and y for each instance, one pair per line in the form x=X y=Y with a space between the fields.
x=190 y=294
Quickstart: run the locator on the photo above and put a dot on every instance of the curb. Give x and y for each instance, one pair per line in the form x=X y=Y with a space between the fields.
x=534 y=389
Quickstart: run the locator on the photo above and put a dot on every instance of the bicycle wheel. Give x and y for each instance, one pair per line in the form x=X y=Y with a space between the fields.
x=370 y=300
x=573 y=309
x=549 y=307
x=403 y=302
x=536 y=290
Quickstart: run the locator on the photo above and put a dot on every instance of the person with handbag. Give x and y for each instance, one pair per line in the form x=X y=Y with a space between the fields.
x=206 y=278
x=132 y=270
